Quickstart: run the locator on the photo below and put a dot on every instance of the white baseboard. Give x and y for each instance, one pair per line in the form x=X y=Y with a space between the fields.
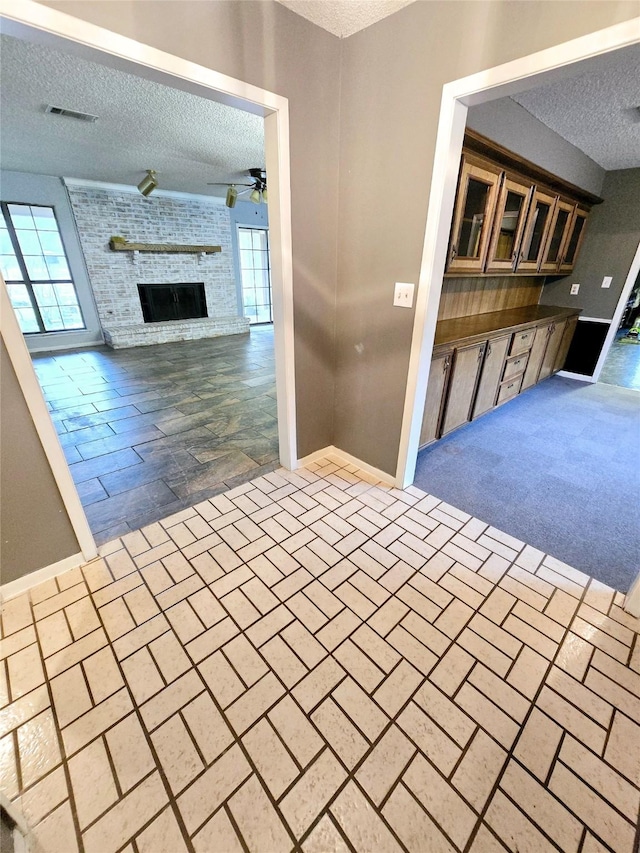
x=579 y=376
x=20 y=585
x=348 y=459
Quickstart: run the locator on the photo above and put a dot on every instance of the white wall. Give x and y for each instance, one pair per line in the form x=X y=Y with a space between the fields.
x=51 y=192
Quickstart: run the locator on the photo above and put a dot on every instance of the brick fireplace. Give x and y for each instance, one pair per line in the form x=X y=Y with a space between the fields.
x=116 y=277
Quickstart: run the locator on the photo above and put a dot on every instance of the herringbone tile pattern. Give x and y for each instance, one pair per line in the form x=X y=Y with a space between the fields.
x=314 y=661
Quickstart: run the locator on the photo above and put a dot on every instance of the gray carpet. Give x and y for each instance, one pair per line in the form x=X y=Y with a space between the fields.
x=556 y=467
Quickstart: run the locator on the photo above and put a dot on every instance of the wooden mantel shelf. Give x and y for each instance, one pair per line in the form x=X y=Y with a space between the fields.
x=168 y=248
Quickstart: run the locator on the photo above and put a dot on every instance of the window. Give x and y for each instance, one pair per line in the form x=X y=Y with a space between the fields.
x=35 y=268
x=253 y=244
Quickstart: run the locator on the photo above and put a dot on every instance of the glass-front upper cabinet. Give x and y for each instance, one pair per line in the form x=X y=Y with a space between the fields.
x=509 y=224
x=475 y=207
x=536 y=232
x=558 y=234
x=573 y=242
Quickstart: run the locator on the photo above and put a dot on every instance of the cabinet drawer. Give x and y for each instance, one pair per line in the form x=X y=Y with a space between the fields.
x=515 y=365
x=509 y=389
x=522 y=341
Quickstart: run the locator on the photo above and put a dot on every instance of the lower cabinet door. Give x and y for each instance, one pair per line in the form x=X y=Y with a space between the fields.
x=491 y=375
x=535 y=357
x=565 y=343
x=438 y=376
x=551 y=352
x=467 y=362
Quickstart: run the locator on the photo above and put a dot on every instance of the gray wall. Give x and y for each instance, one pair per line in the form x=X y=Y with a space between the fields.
x=509 y=124
x=266 y=44
x=50 y=191
x=36 y=531
x=392 y=77
x=253 y=216
x=609 y=246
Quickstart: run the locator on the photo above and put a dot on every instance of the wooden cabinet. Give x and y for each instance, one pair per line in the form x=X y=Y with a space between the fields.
x=467 y=362
x=565 y=343
x=557 y=238
x=512 y=216
x=475 y=206
x=536 y=232
x=438 y=379
x=492 y=370
x=538 y=348
x=470 y=377
x=556 y=331
x=574 y=240
x=509 y=224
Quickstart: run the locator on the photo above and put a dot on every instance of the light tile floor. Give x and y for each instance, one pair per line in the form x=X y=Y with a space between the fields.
x=316 y=662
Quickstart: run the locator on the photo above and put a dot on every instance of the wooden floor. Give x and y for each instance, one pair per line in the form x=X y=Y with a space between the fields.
x=149 y=431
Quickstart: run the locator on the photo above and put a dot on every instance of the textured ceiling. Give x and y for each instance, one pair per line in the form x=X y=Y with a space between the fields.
x=596 y=110
x=142 y=125
x=344 y=17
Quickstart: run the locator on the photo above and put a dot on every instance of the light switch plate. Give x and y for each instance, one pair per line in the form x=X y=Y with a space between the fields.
x=574 y=289
x=606 y=281
x=403 y=294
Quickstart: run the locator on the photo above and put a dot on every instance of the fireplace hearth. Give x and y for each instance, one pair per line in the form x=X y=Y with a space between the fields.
x=164 y=302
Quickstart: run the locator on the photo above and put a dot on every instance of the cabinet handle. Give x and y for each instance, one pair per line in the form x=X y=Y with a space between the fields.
x=446 y=364
x=454 y=252
x=480 y=353
x=524 y=337
x=488 y=349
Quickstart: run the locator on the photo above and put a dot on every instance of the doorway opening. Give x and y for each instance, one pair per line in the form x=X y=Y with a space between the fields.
x=622 y=363
x=114 y=370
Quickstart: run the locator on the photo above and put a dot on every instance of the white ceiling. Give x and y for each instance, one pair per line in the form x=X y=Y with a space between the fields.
x=142 y=125
x=596 y=110
x=343 y=18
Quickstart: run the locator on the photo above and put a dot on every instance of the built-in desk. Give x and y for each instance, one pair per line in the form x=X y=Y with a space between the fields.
x=482 y=361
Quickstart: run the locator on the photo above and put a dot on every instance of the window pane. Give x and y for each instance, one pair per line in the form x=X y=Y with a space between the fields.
x=27 y=319
x=19 y=296
x=51 y=243
x=44 y=218
x=52 y=319
x=58 y=269
x=71 y=317
x=65 y=294
x=244 y=238
x=10 y=269
x=21 y=216
x=44 y=295
x=259 y=239
x=246 y=258
x=29 y=243
x=248 y=279
x=36 y=268
x=6 y=247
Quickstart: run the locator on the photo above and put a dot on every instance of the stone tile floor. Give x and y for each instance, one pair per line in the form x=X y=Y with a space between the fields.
x=315 y=662
x=151 y=430
x=622 y=365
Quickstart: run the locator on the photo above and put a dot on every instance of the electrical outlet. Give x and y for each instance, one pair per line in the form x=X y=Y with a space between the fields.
x=574 y=289
x=606 y=281
x=403 y=294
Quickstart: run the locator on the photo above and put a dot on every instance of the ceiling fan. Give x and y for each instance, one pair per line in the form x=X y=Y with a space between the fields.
x=257 y=189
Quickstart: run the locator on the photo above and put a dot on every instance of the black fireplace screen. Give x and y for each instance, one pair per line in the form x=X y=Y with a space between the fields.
x=162 y=302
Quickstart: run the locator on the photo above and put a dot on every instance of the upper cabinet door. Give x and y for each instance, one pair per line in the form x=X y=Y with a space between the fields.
x=536 y=232
x=558 y=234
x=475 y=207
x=509 y=223
x=574 y=241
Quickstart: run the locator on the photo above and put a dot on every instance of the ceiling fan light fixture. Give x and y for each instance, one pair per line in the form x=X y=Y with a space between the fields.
x=148 y=184
x=265 y=196
x=255 y=196
x=232 y=196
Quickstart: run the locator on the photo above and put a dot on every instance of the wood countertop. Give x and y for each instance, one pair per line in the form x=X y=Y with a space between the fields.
x=480 y=326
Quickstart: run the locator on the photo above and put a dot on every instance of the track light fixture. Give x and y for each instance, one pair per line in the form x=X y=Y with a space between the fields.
x=257 y=189
x=148 y=184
